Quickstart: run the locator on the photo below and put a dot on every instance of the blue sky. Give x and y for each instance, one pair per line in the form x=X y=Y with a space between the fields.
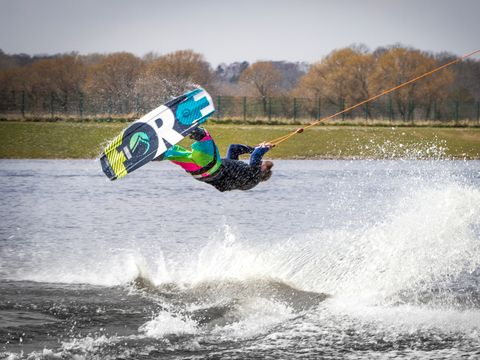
x=227 y=31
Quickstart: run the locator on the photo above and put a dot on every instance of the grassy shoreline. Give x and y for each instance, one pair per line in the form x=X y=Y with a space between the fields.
x=66 y=140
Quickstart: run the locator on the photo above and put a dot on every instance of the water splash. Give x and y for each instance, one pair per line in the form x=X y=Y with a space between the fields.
x=425 y=244
x=166 y=323
x=399 y=145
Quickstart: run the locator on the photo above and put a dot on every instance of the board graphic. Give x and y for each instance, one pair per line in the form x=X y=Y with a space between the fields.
x=149 y=137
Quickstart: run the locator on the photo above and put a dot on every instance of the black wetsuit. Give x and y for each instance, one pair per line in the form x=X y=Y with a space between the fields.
x=235 y=174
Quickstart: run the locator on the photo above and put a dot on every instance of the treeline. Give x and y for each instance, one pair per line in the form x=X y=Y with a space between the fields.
x=124 y=83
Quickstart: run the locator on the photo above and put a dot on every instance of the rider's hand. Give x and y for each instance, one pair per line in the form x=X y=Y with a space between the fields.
x=266 y=144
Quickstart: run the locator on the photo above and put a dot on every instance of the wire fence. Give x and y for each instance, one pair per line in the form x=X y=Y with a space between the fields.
x=281 y=110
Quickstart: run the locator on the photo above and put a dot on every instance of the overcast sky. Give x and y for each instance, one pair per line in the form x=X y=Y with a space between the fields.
x=227 y=31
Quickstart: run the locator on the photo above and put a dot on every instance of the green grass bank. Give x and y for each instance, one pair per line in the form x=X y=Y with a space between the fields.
x=41 y=140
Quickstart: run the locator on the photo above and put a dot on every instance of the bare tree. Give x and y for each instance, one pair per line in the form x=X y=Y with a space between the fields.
x=264 y=79
x=112 y=80
x=172 y=74
x=398 y=65
x=341 y=77
x=56 y=80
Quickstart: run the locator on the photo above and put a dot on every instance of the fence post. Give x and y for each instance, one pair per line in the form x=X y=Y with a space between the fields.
x=23 y=104
x=137 y=104
x=219 y=105
x=365 y=110
x=411 y=107
x=269 y=109
x=390 y=109
x=13 y=101
x=80 y=105
x=244 y=109
x=457 y=112
x=110 y=107
x=51 y=105
x=65 y=103
x=342 y=107
x=318 y=108
x=294 y=109
x=478 y=113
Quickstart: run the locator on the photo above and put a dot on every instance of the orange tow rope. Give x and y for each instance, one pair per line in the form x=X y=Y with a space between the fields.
x=281 y=139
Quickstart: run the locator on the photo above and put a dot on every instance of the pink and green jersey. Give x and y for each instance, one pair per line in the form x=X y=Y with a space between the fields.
x=202 y=161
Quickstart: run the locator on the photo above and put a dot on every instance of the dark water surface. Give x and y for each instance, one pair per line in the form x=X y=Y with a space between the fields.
x=329 y=259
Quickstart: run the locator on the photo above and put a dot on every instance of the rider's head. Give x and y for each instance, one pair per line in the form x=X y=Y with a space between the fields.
x=266 y=170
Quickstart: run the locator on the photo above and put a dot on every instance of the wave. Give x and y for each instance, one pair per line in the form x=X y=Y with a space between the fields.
x=427 y=245
x=239 y=308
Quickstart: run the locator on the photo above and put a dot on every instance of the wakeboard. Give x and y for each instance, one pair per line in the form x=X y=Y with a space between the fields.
x=153 y=134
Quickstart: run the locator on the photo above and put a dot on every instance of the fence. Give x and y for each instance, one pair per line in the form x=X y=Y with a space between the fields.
x=236 y=109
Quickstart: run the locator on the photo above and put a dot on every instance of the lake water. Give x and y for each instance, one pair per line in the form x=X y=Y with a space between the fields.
x=329 y=259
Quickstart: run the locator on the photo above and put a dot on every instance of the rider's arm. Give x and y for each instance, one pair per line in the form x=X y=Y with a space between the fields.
x=256 y=157
x=235 y=150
